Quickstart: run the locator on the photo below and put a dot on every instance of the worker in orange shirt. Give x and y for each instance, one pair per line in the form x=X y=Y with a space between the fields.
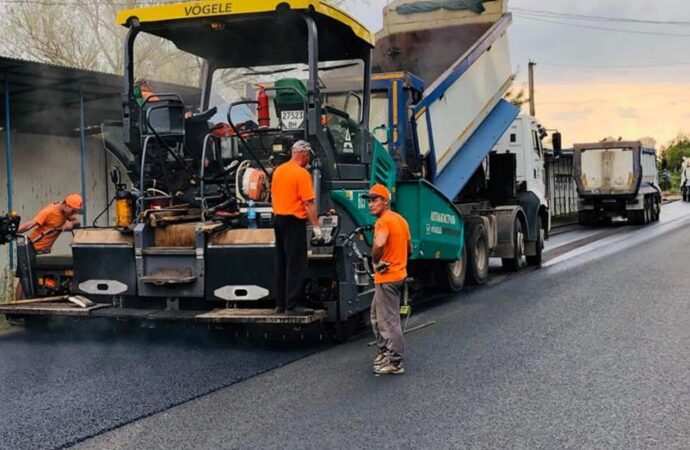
x=293 y=206
x=47 y=226
x=146 y=91
x=392 y=247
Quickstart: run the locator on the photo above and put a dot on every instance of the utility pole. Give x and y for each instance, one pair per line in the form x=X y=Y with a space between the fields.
x=532 y=108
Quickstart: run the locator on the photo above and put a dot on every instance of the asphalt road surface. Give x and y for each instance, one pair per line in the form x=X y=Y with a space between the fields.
x=58 y=389
x=589 y=352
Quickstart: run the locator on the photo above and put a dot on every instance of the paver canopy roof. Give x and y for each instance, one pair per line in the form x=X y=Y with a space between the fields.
x=246 y=33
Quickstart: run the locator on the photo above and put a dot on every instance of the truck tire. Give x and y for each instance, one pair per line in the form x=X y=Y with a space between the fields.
x=648 y=210
x=517 y=262
x=452 y=275
x=656 y=204
x=477 y=245
x=536 y=260
x=651 y=206
x=586 y=218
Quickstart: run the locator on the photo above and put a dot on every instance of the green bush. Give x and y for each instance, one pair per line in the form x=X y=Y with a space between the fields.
x=675 y=183
x=674 y=152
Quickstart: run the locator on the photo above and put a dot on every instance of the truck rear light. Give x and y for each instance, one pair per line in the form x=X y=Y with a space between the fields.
x=49 y=282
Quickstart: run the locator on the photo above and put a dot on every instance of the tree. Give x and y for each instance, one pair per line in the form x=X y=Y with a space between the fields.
x=84 y=34
x=675 y=150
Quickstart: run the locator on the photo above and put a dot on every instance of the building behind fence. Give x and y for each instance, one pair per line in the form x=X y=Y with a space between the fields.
x=560 y=185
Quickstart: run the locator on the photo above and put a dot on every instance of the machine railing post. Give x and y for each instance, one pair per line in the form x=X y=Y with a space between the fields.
x=82 y=150
x=8 y=157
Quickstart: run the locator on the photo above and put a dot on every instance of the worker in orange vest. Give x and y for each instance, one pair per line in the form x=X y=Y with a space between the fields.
x=392 y=247
x=47 y=226
x=293 y=206
x=145 y=91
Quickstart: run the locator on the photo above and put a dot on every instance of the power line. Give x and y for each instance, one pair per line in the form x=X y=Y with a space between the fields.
x=585 y=17
x=621 y=66
x=592 y=27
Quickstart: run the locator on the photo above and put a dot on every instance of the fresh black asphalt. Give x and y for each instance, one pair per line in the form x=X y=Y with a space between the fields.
x=59 y=388
x=584 y=354
x=593 y=353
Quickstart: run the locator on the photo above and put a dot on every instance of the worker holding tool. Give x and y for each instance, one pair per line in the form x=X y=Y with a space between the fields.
x=392 y=247
x=47 y=226
x=293 y=205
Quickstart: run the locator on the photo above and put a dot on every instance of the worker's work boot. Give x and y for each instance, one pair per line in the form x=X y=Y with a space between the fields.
x=380 y=359
x=390 y=369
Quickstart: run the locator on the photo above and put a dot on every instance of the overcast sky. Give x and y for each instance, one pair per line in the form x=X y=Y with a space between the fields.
x=589 y=103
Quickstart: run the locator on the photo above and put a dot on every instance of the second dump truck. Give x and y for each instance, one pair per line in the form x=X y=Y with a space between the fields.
x=617 y=179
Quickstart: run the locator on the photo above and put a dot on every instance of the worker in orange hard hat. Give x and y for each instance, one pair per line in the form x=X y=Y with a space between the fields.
x=392 y=247
x=47 y=226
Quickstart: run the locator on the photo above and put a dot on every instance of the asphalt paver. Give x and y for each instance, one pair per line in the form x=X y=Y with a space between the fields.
x=595 y=356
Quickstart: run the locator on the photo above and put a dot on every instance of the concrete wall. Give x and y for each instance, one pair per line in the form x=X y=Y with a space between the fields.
x=45 y=169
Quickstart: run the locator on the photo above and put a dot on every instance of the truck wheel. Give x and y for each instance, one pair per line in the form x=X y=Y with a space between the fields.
x=535 y=260
x=517 y=262
x=582 y=218
x=656 y=208
x=652 y=210
x=452 y=274
x=586 y=218
x=647 y=210
x=477 y=246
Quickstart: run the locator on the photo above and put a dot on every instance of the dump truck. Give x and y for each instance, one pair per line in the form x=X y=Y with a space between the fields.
x=500 y=191
x=194 y=240
x=616 y=179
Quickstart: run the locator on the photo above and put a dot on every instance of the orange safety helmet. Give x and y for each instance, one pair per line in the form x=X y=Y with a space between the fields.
x=378 y=190
x=74 y=201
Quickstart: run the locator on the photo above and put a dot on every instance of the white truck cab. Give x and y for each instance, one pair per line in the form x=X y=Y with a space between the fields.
x=524 y=140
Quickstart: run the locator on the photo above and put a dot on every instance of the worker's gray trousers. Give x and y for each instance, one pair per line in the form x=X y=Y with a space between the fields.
x=385 y=320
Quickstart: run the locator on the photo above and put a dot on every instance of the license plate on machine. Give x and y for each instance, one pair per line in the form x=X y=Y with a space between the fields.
x=292 y=120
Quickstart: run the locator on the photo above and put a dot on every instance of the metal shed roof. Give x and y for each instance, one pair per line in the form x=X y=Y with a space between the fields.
x=45 y=98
